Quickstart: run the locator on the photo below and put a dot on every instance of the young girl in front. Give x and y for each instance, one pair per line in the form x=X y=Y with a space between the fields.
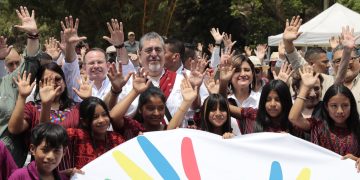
x=274 y=105
x=48 y=143
x=215 y=116
x=151 y=108
x=338 y=127
x=54 y=104
x=92 y=138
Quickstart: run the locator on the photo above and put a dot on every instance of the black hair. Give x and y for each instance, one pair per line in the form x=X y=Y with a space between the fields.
x=96 y=49
x=176 y=46
x=188 y=53
x=237 y=61
x=352 y=123
x=145 y=98
x=54 y=135
x=65 y=101
x=313 y=53
x=263 y=120
x=211 y=103
x=86 y=111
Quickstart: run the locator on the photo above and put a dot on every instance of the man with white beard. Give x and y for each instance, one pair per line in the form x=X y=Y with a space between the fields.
x=152 y=59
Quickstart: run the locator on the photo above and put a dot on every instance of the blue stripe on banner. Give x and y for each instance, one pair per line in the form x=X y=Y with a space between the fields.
x=275 y=172
x=160 y=163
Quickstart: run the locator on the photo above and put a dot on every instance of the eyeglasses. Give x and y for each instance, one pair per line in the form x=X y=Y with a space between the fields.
x=338 y=60
x=272 y=63
x=149 y=50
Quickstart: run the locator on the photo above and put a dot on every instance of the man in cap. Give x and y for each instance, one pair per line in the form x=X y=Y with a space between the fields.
x=131 y=44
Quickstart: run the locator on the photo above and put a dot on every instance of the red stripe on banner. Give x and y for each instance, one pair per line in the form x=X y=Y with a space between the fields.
x=189 y=160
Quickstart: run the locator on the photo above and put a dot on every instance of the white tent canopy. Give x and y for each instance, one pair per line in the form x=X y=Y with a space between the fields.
x=319 y=30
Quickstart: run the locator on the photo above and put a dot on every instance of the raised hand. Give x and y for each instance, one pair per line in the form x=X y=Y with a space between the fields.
x=28 y=23
x=52 y=48
x=308 y=79
x=70 y=31
x=140 y=84
x=248 y=51
x=211 y=84
x=4 y=48
x=291 y=31
x=24 y=85
x=284 y=73
x=197 y=73
x=203 y=62
x=334 y=41
x=348 y=37
x=62 y=43
x=261 y=51
x=227 y=41
x=226 y=68
x=85 y=88
x=47 y=90
x=189 y=93
x=116 y=77
x=116 y=33
x=216 y=35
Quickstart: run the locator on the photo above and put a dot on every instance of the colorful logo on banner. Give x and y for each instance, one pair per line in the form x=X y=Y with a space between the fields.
x=191 y=169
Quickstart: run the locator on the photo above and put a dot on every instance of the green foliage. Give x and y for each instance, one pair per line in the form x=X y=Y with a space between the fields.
x=249 y=21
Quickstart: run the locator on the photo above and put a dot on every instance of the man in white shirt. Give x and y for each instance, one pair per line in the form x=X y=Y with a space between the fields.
x=152 y=58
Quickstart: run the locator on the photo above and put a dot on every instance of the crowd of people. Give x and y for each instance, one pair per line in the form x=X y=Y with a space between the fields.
x=67 y=104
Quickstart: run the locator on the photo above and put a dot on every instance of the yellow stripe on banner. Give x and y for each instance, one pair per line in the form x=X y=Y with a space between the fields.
x=304 y=174
x=131 y=169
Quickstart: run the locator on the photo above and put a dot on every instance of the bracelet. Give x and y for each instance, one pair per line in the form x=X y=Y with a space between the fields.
x=33 y=36
x=114 y=92
x=119 y=46
x=303 y=98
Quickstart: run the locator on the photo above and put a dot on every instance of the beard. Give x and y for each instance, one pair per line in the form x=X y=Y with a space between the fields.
x=154 y=67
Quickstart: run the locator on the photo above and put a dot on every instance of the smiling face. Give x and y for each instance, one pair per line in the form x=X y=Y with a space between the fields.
x=273 y=105
x=217 y=117
x=46 y=158
x=101 y=121
x=243 y=76
x=153 y=111
x=152 y=57
x=95 y=65
x=339 y=109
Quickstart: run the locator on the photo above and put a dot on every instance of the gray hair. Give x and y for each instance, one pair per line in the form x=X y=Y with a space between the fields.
x=341 y=47
x=149 y=36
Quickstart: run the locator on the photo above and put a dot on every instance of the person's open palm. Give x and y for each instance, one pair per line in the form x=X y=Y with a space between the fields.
x=24 y=85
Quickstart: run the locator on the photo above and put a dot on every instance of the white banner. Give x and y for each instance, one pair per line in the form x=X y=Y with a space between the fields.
x=193 y=154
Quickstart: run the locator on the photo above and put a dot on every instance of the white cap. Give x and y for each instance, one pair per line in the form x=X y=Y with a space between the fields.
x=110 y=49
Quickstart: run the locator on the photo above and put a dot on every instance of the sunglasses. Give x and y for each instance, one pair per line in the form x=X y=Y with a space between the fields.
x=258 y=70
x=272 y=63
